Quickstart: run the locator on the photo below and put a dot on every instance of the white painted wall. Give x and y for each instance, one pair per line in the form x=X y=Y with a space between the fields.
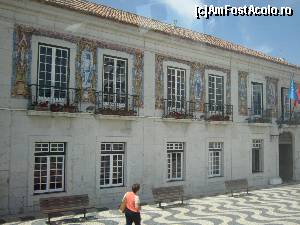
x=145 y=136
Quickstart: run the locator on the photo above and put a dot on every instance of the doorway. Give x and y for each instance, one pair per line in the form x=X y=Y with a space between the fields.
x=286 y=164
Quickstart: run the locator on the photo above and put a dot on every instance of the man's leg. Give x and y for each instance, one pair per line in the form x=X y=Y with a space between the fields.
x=128 y=216
x=137 y=218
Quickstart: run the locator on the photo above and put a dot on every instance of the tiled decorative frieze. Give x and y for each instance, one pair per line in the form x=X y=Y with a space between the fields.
x=86 y=73
x=138 y=75
x=228 y=80
x=272 y=95
x=197 y=81
x=159 y=87
x=86 y=78
x=21 y=61
x=242 y=91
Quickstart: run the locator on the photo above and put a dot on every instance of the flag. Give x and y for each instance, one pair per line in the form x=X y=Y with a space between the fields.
x=292 y=91
x=297 y=99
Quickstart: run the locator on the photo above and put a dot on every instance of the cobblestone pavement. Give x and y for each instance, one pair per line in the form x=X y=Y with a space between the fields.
x=278 y=205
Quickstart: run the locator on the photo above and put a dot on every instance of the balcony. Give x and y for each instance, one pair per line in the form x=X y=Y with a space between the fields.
x=215 y=112
x=53 y=98
x=116 y=104
x=290 y=118
x=259 y=115
x=178 y=109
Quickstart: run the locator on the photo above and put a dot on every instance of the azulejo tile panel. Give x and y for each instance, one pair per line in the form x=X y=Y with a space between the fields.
x=272 y=95
x=86 y=79
x=242 y=90
x=21 y=61
x=86 y=60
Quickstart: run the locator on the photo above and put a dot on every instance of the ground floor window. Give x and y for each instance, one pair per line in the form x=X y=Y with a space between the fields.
x=175 y=160
x=49 y=167
x=112 y=164
x=257 y=156
x=215 y=158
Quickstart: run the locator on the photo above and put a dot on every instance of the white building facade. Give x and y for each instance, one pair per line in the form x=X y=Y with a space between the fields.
x=91 y=105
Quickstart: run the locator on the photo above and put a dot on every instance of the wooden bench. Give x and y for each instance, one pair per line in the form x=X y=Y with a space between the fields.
x=236 y=185
x=54 y=205
x=168 y=194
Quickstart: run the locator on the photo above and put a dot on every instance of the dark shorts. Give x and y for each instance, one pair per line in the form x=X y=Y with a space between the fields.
x=132 y=217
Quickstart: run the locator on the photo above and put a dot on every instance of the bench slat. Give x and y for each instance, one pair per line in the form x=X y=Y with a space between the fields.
x=236 y=185
x=167 y=194
x=66 y=203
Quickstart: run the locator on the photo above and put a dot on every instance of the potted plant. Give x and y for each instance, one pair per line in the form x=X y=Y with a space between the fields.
x=55 y=107
x=42 y=106
x=69 y=108
x=226 y=118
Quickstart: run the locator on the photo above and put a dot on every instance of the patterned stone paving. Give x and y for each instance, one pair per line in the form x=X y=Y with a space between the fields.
x=279 y=205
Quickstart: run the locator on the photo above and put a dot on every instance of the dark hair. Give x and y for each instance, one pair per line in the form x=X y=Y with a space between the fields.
x=135 y=188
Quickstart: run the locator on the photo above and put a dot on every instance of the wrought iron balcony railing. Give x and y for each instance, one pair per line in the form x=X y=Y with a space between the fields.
x=259 y=115
x=215 y=112
x=116 y=104
x=178 y=109
x=54 y=98
x=290 y=118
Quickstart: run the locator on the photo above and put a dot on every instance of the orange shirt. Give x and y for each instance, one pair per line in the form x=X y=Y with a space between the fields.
x=132 y=201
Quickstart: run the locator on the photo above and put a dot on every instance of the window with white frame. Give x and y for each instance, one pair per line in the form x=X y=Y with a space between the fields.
x=112 y=164
x=257 y=156
x=175 y=151
x=175 y=87
x=49 y=167
x=114 y=80
x=215 y=158
x=215 y=91
x=53 y=69
x=285 y=104
x=257 y=99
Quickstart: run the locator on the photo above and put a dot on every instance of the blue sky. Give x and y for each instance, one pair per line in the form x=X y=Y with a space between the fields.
x=276 y=36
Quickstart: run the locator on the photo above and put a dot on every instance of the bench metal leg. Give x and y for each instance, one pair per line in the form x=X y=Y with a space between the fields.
x=84 y=213
x=159 y=204
x=49 y=218
x=181 y=200
x=231 y=193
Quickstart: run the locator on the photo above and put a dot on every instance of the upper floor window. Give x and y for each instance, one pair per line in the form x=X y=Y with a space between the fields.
x=215 y=157
x=114 y=80
x=285 y=104
x=175 y=160
x=257 y=155
x=215 y=91
x=53 y=69
x=49 y=167
x=176 y=87
x=112 y=164
x=257 y=99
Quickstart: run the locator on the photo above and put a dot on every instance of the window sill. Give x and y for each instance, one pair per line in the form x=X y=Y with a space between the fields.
x=113 y=190
x=58 y=114
x=257 y=173
x=174 y=120
x=212 y=122
x=115 y=117
x=56 y=193
x=174 y=181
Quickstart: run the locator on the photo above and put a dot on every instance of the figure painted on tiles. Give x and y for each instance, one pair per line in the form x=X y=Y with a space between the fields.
x=85 y=72
x=21 y=55
x=197 y=85
x=87 y=68
x=242 y=93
